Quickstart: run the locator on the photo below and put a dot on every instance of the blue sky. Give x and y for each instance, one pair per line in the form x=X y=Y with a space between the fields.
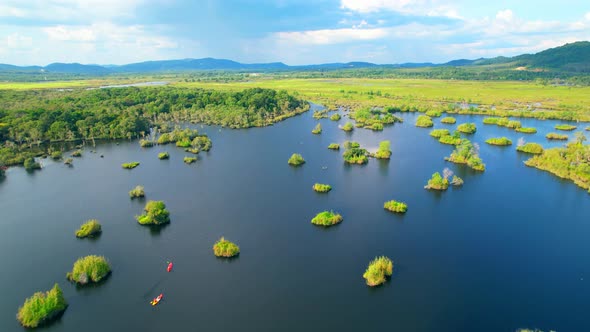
x=292 y=31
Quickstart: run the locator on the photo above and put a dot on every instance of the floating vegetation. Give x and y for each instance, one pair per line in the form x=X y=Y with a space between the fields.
x=378 y=271
x=499 y=141
x=527 y=130
x=77 y=153
x=56 y=155
x=225 y=248
x=137 y=192
x=347 y=127
x=89 y=269
x=296 y=160
x=155 y=213
x=384 y=151
x=467 y=128
x=90 y=228
x=467 y=153
x=163 y=155
x=144 y=143
x=533 y=148
x=317 y=129
x=449 y=120
x=42 y=308
x=334 y=146
x=438 y=133
x=335 y=117
x=556 y=136
x=189 y=160
x=565 y=127
x=437 y=182
x=69 y=162
x=424 y=121
x=395 y=206
x=326 y=218
x=354 y=154
x=130 y=165
x=322 y=188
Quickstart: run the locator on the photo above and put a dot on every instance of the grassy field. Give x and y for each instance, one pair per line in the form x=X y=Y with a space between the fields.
x=354 y=92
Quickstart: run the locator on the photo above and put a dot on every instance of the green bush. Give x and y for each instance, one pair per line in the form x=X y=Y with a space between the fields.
x=513 y=124
x=456 y=181
x=42 y=308
x=322 y=188
x=467 y=128
x=533 y=148
x=424 y=121
x=348 y=127
x=326 y=218
x=89 y=269
x=317 y=129
x=384 y=151
x=296 y=160
x=491 y=121
x=438 y=133
x=90 y=228
x=527 y=130
x=433 y=113
x=163 y=155
x=467 y=153
x=499 y=141
x=56 y=155
x=437 y=182
x=155 y=213
x=334 y=146
x=378 y=271
x=137 y=192
x=185 y=143
x=225 y=248
x=454 y=139
x=189 y=160
x=69 y=161
x=192 y=150
x=565 y=127
x=449 y=120
x=395 y=206
x=77 y=153
x=31 y=165
x=335 y=117
x=130 y=165
x=376 y=126
x=556 y=136
x=202 y=143
x=144 y=143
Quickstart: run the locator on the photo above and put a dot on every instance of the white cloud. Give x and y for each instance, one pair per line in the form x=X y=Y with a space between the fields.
x=505 y=15
x=587 y=17
x=67 y=10
x=63 y=33
x=330 y=36
x=412 y=7
x=18 y=41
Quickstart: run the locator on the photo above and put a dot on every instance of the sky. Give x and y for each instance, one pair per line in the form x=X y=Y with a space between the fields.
x=296 y=32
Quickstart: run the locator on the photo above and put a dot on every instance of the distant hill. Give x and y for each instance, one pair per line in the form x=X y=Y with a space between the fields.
x=569 y=58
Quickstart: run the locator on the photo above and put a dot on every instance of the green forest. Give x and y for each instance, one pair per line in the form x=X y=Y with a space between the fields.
x=28 y=119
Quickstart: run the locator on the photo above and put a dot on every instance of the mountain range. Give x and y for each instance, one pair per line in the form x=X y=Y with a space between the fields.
x=573 y=57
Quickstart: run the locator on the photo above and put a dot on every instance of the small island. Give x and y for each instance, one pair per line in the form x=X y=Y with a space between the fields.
x=192 y=150
x=163 y=155
x=144 y=143
x=384 y=151
x=225 y=248
x=565 y=127
x=454 y=139
x=467 y=153
x=378 y=271
x=527 y=130
x=556 y=136
x=137 y=192
x=76 y=154
x=89 y=269
x=69 y=162
x=502 y=141
x=456 y=181
x=395 y=206
x=296 y=160
x=334 y=146
x=91 y=228
x=449 y=120
x=533 y=148
x=155 y=213
x=42 y=308
x=31 y=165
x=130 y=165
x=317 y=129
x=467 y=128
x=335 y=117
x=438 y=133
x=326 y=219
x=189 y=160
x=424 y=121
x=433 y=113
x=56 y=155
x=347 y=127
x=437 y=182
x=322 y=188
x=354 y=154
x=377 y=126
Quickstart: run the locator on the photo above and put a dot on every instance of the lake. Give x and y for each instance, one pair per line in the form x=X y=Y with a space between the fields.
x=508 y=250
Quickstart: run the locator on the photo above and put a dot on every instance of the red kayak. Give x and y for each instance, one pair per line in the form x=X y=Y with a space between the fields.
x=169 y=268
x=157 y=300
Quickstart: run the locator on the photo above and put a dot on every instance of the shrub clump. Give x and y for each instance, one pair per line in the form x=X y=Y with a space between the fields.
x=56 y=155
x=189 y=160
x=556 y=136
x=527 y=130
x=31 y=165
x=499 y=141
x=347 y=127
x=467 y=153
x=565 y=127
x=42 y=308
x=144 y=143
x=89 y=269
x=449 y=120
x=384 y=151
x=533 y=148
x=438 y=133
x=317 y=129
x=395 y=206
x=90 y=228
x=454 y=139
x=137 y=192
x=354 y=154
x=155 y=213
x=69 y=162
x=130 y=165
x=334 y=146
x=335 y=117
x=163 y=155
x=77 y=153
x=378 y=271
x=326 y=218
x=467 y=128
x=225 y=248
x=322 y=188
x=456 y=181
x=437 y=182
x=296 y=160
x=433 y=113
x=424 y=121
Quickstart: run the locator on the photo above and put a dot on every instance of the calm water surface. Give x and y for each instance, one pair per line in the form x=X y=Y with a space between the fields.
x=508 y=250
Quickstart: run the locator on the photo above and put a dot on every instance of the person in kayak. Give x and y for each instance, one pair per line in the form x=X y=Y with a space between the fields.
x=169 y=268
x=157 y=300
